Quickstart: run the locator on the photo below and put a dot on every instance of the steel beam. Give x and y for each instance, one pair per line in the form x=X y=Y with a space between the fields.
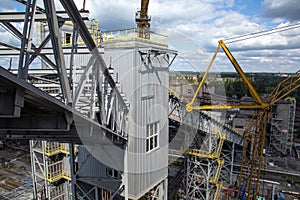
x=72 y=171
x=20 y=16
x=73 y=12
x=15 y=51
x=12 y=101
x=26 y=39
x=57 y=49
x=36 y=122
x=18 y=34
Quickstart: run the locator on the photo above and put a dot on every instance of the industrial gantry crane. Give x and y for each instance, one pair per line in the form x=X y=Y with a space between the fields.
x=143 y=20
x=255 y=133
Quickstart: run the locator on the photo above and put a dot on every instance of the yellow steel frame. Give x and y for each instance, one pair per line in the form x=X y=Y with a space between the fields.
x=259 y=103
x=56 y=176
x=205 y=154
x=218 y=191
x=215 y=179
x=256 y=131
x=61 y=148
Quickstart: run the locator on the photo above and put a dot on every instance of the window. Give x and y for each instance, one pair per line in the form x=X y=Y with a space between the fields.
x=68 y=38
x=152 y=136
x=112 y=173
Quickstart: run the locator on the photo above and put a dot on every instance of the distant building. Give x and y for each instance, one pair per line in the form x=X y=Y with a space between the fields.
x=187 y=91
x=281 y=124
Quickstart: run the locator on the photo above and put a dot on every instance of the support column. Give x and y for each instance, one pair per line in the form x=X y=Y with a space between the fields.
x=57 y=49
x=166 y=189
x=231 y=164
x=33 y=170
x=187 y=178
x=26 y=39
x=72 y=171
x=126 y=174
x=45 y=162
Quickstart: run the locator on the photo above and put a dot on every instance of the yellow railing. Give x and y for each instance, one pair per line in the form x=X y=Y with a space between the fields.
x=215 y=179
x=56 y=148
x=56 y=176
x=218 y=191
x=205 y=154
x=132 y=34
x=93 y=29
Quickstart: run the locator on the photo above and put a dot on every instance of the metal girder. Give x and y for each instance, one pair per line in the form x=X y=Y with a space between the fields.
x=199 y=119
x=73 y=12
x=82 y=80
x=15 y=51
x=26 y=40
x=12 y=100
x=20 y=16
x=39 y=49
x=18 y=34
x=36 y=122
x=72 y=171
x=57 y=49
x=43 y=103
x=10 y=48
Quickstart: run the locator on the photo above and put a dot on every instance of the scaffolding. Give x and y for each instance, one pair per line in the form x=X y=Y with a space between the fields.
x=282 y=128
x=204 y=168
x=51 y=160
x=50 y=171
x=291 y=124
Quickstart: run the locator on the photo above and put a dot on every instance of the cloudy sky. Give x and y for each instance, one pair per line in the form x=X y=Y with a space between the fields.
x=194 y=28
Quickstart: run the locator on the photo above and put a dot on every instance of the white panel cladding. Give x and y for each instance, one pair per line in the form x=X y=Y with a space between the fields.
x=91 y=170
x=146 y=88
x=147 y=169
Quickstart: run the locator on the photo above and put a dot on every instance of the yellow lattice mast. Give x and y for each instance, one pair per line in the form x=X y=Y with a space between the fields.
x=254 y=135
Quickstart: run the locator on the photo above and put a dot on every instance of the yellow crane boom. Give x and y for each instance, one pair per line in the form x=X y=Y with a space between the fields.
x=143 y=20
x=255 y=133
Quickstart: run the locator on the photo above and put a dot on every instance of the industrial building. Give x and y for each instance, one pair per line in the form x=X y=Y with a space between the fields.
x=102 y=120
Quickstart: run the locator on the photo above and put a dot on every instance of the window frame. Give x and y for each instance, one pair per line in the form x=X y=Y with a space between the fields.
x=112 y=173
x=152 y=136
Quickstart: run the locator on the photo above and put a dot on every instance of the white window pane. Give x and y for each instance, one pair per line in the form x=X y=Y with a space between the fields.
x=151 y=143
x=147 y=145
x=151 y=129
x=155 y=142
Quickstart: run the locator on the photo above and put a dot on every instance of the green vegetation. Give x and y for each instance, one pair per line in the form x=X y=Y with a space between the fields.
x=25 y=159
x=2 y=177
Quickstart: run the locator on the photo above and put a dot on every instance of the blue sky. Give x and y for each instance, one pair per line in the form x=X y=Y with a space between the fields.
x=249 y=7
x=195 y=26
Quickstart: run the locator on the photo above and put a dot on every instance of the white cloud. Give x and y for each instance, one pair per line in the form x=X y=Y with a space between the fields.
x=7 y=6
x=194 y=28
x=287 y=9
x=117 y=14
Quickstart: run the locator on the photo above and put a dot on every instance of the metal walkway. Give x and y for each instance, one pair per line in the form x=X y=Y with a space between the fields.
x=30 y=113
